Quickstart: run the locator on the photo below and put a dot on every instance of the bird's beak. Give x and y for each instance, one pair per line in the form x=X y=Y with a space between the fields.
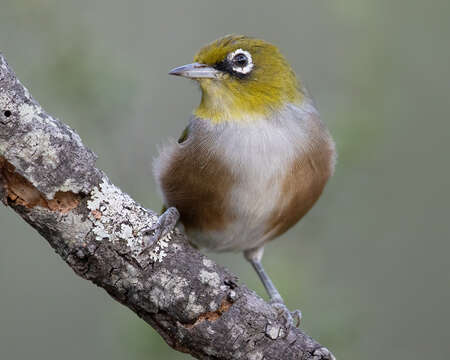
x=196 y=71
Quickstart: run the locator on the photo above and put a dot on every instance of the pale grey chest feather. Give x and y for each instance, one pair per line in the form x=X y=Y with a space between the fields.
x=259 y=155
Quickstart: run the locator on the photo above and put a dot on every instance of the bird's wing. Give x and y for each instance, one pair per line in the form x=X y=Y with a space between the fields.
x=181 y=139
x=184 y=135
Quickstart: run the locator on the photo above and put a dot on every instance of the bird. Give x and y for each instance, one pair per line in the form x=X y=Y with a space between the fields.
x=253 y=159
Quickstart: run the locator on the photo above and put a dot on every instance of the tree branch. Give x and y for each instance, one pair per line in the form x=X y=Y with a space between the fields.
x=49 y=178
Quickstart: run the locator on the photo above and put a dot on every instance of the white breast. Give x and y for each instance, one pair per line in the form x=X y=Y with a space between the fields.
x=259 y=154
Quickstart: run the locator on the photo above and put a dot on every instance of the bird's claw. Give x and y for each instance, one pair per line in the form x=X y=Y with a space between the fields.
x=164 y=225
x=292 y=318
x=323 y=353
x=152 y=234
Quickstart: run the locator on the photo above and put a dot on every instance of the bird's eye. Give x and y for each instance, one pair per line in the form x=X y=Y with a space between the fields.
x=240 y=60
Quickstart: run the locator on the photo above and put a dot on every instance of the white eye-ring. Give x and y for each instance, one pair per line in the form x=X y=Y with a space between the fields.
x=241 y=61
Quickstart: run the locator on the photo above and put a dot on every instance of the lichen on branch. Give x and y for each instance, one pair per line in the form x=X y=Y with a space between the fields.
x=116 y=217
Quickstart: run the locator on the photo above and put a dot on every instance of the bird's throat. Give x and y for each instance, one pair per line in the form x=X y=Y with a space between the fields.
x=229 y=103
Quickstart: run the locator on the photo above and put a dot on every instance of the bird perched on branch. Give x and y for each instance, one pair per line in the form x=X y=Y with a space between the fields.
x=254 y=157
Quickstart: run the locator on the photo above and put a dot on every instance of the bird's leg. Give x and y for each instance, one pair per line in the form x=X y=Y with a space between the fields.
x=274 y=295
x=165 y=224
x=254 y=256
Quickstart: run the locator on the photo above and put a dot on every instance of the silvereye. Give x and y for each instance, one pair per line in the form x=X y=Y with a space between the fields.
x=254 y=157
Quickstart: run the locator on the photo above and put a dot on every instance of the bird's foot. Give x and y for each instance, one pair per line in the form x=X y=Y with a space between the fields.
x=164 y=225
x=323 y=353
x=292 y=318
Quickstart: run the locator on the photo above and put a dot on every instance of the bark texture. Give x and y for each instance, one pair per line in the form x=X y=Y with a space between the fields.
x=49 y=178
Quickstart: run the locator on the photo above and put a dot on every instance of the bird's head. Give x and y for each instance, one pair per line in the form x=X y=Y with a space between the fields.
x=242 y=79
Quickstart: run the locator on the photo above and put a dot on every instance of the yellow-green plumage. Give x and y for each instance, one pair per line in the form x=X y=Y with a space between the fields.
x=271 y=84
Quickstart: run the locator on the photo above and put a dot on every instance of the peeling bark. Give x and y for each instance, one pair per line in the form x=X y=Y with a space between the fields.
x=49 y=178
x=20 y=191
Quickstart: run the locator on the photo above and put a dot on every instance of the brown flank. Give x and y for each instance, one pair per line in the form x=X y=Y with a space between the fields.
x=304 y=183
x=198 y=184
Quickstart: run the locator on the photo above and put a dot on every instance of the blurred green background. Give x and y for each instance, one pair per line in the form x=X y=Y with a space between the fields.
x=368 y=266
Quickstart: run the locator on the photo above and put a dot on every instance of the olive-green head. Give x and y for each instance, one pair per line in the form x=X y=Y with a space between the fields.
x=242 y=79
